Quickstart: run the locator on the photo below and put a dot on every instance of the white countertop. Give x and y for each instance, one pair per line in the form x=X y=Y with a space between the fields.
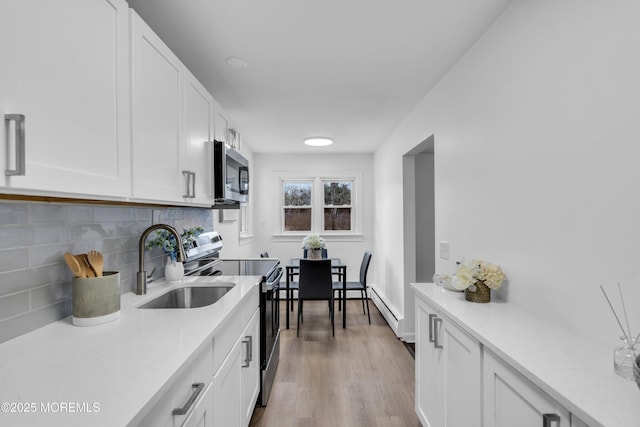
x=575 y=372
x=121 y=367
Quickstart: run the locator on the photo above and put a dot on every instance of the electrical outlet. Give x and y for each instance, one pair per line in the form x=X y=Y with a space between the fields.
x=444 y=249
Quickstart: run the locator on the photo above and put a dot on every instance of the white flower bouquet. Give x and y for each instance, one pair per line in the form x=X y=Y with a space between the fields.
x=470 y=272
x=313 y=241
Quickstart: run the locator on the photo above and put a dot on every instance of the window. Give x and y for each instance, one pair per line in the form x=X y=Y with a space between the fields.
x=324 y=205
x=297 y=205
x=337 y=205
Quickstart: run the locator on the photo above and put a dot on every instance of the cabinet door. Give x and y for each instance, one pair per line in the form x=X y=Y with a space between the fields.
x=227 y=411
x=157 y=89
x=250 y=368
x=198 y=145
x=512 y=400
x=428 y=359
x=461 y=372
x=65 y=68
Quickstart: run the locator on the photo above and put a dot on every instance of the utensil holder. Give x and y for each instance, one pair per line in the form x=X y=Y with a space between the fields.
x=96 y=300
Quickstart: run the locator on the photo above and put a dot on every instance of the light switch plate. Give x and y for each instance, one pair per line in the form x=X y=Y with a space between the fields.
x=444 y=249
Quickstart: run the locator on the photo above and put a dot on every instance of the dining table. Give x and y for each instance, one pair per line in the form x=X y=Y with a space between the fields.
x=337 y=268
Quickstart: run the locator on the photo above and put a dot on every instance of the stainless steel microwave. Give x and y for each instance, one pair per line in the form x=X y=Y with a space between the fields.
x=230 y=175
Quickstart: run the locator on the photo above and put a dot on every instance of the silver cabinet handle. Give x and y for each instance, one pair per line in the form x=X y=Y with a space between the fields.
x=197 y=388
x=431 y=317
x=247 y=341
x=436 y=330
x=547 y=419
x=19 y=141
x=189 y=184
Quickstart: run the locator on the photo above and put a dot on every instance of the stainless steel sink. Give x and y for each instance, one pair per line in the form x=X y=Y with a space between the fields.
x=190 y=296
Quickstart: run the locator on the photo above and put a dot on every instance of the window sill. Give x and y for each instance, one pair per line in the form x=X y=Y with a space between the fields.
x=333 y=237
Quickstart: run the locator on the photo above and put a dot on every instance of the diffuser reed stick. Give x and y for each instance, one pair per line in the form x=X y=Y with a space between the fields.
x=614 y=313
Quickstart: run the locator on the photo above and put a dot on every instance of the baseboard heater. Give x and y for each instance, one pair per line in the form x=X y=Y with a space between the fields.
x=384 y=303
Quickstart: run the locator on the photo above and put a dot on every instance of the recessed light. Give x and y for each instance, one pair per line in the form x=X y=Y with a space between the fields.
x=236 y=62
x=318 y=141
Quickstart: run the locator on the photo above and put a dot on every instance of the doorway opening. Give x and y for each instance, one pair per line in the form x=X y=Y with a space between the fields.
x=418 y=188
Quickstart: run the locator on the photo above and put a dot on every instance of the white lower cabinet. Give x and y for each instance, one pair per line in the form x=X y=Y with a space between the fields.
x=220 y=386
x=236 y=383
x=250 y=368
x=448 y=366
x=227 y=390
x=461 y=383
x=512 y=400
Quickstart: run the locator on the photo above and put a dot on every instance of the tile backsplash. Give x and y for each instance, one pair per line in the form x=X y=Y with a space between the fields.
x=35 y=283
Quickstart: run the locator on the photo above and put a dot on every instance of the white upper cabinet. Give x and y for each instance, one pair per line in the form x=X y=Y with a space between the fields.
x=69 y=78
x=197 y=146
x=173 y=124
x=157 y=83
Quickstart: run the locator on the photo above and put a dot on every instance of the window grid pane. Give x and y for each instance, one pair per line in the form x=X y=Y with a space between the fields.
x=297 y=219
x=337 y=193
x=337 y=219
x=297 y=193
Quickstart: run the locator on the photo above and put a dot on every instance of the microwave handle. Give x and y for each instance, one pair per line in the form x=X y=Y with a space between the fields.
x=244 y=169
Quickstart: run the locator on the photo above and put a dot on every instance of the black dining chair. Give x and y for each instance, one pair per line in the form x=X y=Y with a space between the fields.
x=315 y=283
x=361 y=285
x=323 y=251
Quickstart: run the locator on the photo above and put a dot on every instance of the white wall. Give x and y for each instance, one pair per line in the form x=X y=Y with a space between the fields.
x=536 y=162
x=266 y=198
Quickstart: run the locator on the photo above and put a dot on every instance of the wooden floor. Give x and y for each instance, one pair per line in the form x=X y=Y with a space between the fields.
x=364 y=376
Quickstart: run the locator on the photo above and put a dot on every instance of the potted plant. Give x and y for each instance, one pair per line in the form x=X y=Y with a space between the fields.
x=173 y=270
x=314 y=244
x=477 y=278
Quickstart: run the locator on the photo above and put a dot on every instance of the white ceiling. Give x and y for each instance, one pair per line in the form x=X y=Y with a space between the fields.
x=347 y=69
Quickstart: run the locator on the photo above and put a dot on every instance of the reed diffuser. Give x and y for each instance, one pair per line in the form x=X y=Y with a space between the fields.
x=624 y=356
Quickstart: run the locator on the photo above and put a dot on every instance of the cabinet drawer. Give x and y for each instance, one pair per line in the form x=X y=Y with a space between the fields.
x=181 y=388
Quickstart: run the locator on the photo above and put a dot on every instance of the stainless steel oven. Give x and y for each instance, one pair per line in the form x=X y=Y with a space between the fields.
x=271 y=272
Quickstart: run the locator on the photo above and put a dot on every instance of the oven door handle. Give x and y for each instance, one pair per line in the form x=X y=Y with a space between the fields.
x=275 y=281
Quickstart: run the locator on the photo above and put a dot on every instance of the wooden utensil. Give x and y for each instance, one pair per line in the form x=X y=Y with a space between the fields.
x=74 y=265
x=88 y=268
x=96 y=260
x=82 y=264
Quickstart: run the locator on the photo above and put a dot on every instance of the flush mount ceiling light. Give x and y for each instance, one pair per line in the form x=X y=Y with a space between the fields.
x=236 y=62
x=318 y=141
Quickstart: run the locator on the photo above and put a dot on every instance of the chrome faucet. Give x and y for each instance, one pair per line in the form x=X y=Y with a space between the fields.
x=141 y=282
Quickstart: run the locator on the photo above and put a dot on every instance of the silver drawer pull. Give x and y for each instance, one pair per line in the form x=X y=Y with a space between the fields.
x=197 y=388
x=436 y=331
x=547 y=419
x=247 y=341
x=19 y=141
x=431 y=317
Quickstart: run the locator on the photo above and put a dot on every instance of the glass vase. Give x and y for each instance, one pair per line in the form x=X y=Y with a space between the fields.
x=624 y=356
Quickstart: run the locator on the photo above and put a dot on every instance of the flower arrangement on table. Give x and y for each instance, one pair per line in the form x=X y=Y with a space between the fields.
x=313 y=241
x=165 y=240
x=477 y=278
